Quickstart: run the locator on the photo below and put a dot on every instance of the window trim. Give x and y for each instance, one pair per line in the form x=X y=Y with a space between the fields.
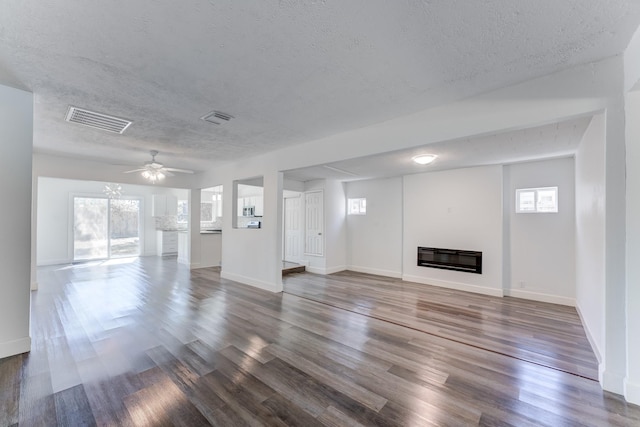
x=362 y=206
x=536 y=194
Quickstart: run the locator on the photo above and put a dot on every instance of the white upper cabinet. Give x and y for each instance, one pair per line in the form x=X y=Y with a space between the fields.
x=164 y=205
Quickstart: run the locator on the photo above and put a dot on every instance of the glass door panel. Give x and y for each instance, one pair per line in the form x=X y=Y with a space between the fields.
x=125 y=229
x=90 y=228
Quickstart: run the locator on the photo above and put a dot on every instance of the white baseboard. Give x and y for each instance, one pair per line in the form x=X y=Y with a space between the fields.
x=316 y=270
x=536 y=296
x=590 y=338
x=271 y=287
x=337 y=269
x=54 y=262
x=194 y=266
x=377 y=272
x=325 y=270
x=632 y=392
x=34 y=286
x=612 y=381
x=11 y=348
x=495 y=292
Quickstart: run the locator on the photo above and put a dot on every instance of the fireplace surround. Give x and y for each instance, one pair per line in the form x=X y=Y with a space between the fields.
x=450 y=259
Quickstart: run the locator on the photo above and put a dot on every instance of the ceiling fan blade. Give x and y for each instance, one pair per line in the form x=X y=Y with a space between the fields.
x=166 y=172
x=135 y=170
x=179 y=170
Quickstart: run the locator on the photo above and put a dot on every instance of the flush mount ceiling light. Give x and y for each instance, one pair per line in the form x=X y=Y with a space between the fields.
x=424 y=159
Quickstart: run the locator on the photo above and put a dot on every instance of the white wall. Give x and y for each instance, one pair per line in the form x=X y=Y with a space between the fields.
x=456 y=209
x=55 y=227
x=16 y=140
x=254 y=256
x=590 y=231
x=374 y=240
x=542 y=246
x=632 y=380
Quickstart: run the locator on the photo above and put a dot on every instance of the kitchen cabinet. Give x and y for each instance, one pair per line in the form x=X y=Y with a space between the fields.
x=167 y=242
x=184 y=249
x=164 y=205
x=259 y=202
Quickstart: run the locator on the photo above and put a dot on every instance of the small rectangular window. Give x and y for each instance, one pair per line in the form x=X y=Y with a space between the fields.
x=206 y=211
x=357 y=206
x=183 y=212
x=537 y=200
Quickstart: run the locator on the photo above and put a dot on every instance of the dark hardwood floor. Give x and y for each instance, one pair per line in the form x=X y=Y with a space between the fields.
x=547 y=334
x=149 y=343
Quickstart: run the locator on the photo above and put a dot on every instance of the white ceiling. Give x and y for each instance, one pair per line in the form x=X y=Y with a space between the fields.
x=288 y=71
x=549 y=141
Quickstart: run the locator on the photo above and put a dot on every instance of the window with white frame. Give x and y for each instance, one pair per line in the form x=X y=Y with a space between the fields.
x=183 y=211
x=537 y=200
x=206 y=211
x=357 y=206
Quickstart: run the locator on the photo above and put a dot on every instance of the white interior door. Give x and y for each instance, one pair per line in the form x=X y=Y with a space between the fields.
x=314 y=223
x=293 y=229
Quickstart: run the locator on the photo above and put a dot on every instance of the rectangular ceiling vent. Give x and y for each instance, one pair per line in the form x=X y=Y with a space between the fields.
x=217 y=117
x=97 y=120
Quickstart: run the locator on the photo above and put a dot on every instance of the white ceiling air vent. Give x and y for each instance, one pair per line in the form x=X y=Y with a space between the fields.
x=217 y=117
x=97 y=120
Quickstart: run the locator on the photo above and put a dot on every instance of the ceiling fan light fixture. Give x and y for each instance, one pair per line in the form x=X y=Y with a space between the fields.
x=424 y=159
x=153 y=175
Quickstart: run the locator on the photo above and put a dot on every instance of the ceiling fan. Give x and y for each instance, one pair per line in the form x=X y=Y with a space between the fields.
x=155 y=171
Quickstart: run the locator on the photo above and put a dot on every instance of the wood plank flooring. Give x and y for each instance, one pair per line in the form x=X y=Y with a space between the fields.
x=547 y=334
x=146 y=342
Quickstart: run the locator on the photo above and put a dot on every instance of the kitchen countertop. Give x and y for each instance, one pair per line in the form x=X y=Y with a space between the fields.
x=201 y=231
x=210 y=231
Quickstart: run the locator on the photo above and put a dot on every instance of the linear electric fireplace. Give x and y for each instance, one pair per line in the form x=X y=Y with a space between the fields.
x=450 y=259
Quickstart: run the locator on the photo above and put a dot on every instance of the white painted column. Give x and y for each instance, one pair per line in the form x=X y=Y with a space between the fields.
x=632 y=141
x=16 y=136
x=194 y=228
x=632 y=380
x=34 y=233
x=273 y=211
x=612 y=378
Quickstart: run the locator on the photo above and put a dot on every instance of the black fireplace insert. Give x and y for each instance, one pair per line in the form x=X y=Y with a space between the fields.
x=450 y=259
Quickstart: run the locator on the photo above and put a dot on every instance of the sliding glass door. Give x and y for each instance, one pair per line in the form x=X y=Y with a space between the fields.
x=124 y=233
x=105 y=228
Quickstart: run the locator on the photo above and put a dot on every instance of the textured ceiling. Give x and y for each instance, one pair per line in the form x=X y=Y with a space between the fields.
x=288 y=71
x=549 y=141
